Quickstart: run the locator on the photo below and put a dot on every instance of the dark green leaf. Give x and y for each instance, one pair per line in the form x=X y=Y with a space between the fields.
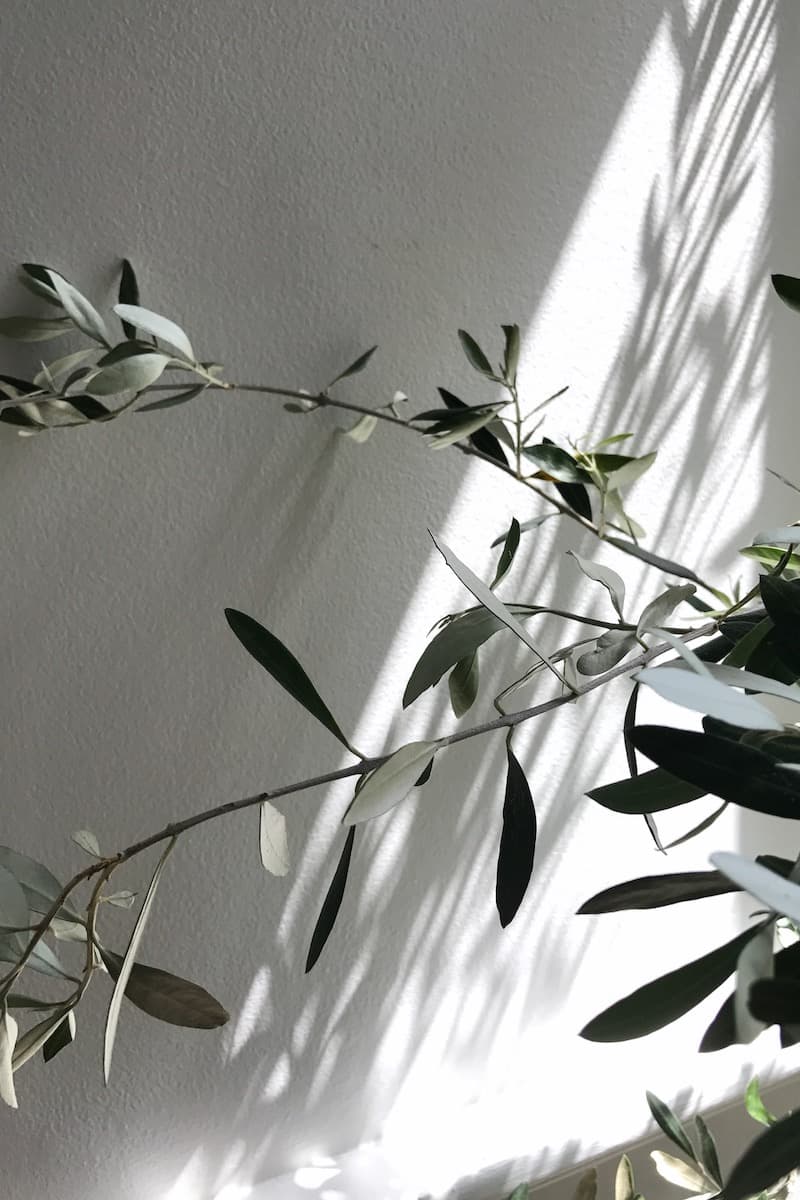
x=739 y=656
x=708 y=1151
x=782 y=600
x=657 y=891
x=769 y=1158
x=463 y=684
x=36 y=279
x=667 y=998
x=475 y=355
x=776 y=1001
x=556 y=463
x=423 y=779
x=740 y=774
x=61 y=1037
x=355 y=367
x=167 y=997
x=628 y=722
x=722 y=1030
x=90 y=408
x=128 y=294
x=332 y=902
x=671 y=1125
x=574 y=495
x=21 y=385
x=755 y=1106
x=16 y=1000
x=459 y=639
x=517 y=843
x=510 y=547
x=174 y=400
x=655 y=560
x=699 y=828
x=482 y=439
x=511 y=355
x=788 y=288
x=284 y=668
x=654 y=791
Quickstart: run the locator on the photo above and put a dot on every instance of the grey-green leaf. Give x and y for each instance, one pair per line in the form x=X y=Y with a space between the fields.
x=671 y=1125
x=355 y=367
x=134 y=374
x=510 y=547
x=160 y=327
x=284 y=668
x=167 y=997
x=708 y=1151
x=475 y=355
x=173 y=401
x=463 y=684
x=34 y=329
x=81 y=311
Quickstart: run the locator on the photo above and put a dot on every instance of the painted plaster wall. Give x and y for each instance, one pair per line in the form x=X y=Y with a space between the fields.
x=296 y=181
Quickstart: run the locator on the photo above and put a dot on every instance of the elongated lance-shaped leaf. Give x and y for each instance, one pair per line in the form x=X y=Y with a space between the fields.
x=611 y=581
x=35 y=1038
x=495 y=606
x=653 y=791
x=62 y=1036
x=628 y=722
x=671 y=1125
x=128 y=293
x=134 y=373
x=667 y=565
x=510 y=547
x=657 y=611
x=284 y=668
x=755 y=1106
x=167 y=997
x=511 y=353
x=788 y=288
x=332 y=902
x=37 y=882
x=273 y=843
x=80 y=310
x=355 y=367
x=36 y=278
x=757 y=961
x=663 y=1000
x=744 y=775
x=112 y=1017
x=476 y=357
x=14 y=912
x=8 y=1040
x=628 y=473
x=624 y=1185
x=610 y=649
x=160 y=327
x=34 y=329
x=182 y=397
x=768 y=1159
x=722 y=1030
x=463 y=684
x=391 y=782
x=781 y=895
x=517 y=842
x=714 y=697
x=556 y=463
x=680 y=1173
x=699 y=828
x=657 y=891
x=708 y=1151
x=482 y=439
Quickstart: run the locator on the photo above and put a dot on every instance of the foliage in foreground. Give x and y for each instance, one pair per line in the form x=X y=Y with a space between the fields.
x=746 y=646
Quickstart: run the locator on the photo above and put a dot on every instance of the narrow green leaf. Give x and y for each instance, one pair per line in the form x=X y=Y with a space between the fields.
x=284 y=668
x=87 y=841
x=626 y=475
x=8 y=1040
x=128 y=962
x=39 y=884
x=781 y=599
x=556 y=463
x=273 y=843
x=463 y=685
x=511 y=354
x=653 y=791
x=128 y=293
x=755 y=1106
x=62 y=366
x=526 y=526
x=657 y=611
x=447 y=434
x=770 y=556
x=657 y=891
x=712 y=696
x=35 y=1038
x=182 y=397
x=739 y=656
x=510 y=547
x=14 y=912
x=611 y=581
x=81 y=311
x=34 y=329
x=624 y=1185
x=766 y=1160
x=160 y=327
x=129 y=374
x=517 y=843
x=458 y=640
x=167 y=997
x=36 y=278
x=332 y=902
x=62 y=1036
x=476 y=357
x=483 y=440
x=671 y=1125
x=788 y=288
x=520 y=1193
x=391 y=782
x=708 y=1151
x=722 y=1030
x=355 y=367
x=701 y=827
x=17 y=1000
x=488 y=599
x=667 y=998
x=740 y=774
x=654 y=560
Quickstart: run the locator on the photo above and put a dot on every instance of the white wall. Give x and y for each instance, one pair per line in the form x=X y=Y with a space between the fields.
x=295 y=182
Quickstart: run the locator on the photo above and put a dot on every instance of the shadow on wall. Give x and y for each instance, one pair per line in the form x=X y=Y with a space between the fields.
x=421 y=882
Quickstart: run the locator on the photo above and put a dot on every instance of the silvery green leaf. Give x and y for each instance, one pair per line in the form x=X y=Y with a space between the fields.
x=34 y=329
x=495 y=606
x=754 y=682
x=161 y=327
x=88 y=842
x=272 y=838
x=626 y=475
x=391 y=782
x=131 y=374
x=773 y=890
x=112 y=1017
x=8 y=1040
x=615 y=508
x=36 y=278
x=46 y=962
x=128 y=293
x=355 y=367
x=67 y=931
x=38 y=883
x=14 y=912
x=35 y=1038
x=657 y=611
x=709 y=696
x=120 y=899
x=363 y=429
x=611 y=648
x=624 y=1187
x=611 y=581
x=786 y=535
x=475 y=355
x=756 y=961
x=682 y=1174
x=82 y=312
x=53 y=371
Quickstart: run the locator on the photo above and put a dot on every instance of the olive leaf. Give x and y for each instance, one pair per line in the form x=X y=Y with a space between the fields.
x=34 y=329
x=755 y=1106
x=670 y=1124
x=128 y=293
x=332 y=902
x=391 y=782
x=463 y=684
x=284 y=668
x=167 y=997
x=476 y=357
x=273 y=843
x=611 y=581
x=160 y=327
x=81 y=311
x=510 y=547
x=517 y=842
x=766 y=1160
x=355 y=367
x=134 y=373
x=8 y=1040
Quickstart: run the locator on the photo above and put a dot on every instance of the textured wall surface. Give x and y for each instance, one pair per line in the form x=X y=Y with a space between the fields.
x=296 y=181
